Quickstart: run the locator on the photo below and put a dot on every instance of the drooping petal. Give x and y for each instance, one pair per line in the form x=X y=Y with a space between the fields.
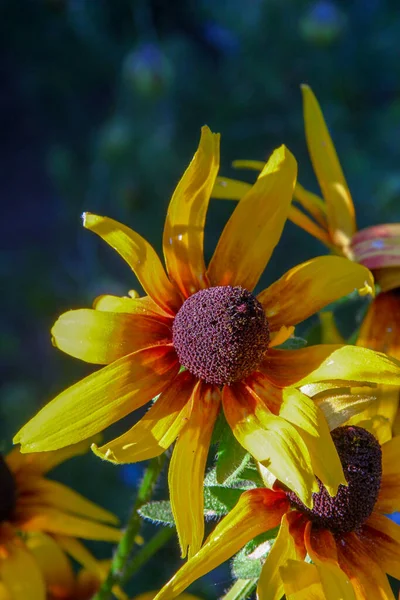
x=186 y=470
x=270 y=584
x=144 y=306
x=100 y=399
x=380 y=329
x=51 y=520
x=184 y=224
x=342 y=365
x=229 y=189
x=102 y=337
x=257 y=511
x=301 y=220
x=53 y=563
x=364 y=573
x=307 y=288
x=312 y=203
x=385 y=406
x=140 y=256
x=340 y=405
x=340 y=208
x=270 y=439
x=61 y=497
x=381 y=539
x=389 y=493
x=21 y=574
x=301 y=581
x=157 y=429
x=256 y=224
x=310 y=422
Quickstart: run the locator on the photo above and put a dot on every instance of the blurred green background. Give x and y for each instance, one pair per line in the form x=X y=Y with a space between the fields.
x=101 y=106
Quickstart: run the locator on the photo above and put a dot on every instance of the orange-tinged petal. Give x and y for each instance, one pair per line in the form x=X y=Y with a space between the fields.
x=53 y=563
x=257 y=511
x=140 y=256
x=99 y=400
x=270 y=439
x=51 y=520
x=301 y=220
x=270 y=584
x=389 y=493
x=310 y=422
x=307 y=288
x=157 y=429
x=281 y=336
x=342 y=365
x=42 y=462
x=21 y=575
x=381 y=540
x=187 y=466
x=136 y=306
x=256 y=224
x=102 y=337
x=229 y=189
x=186 y=217
x=380 y=329
x=4 y=593
x=57 y=495
x=388 y=278
x=366 y=576
x=312 y=203
x=340 y=208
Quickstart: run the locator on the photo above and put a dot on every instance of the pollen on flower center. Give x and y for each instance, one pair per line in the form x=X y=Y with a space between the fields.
x=361 y=457
x=8 y=491
x=220 y=334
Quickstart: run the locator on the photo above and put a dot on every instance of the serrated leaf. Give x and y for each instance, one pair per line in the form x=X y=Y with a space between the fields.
x=158 y=512
x=218 y=500
x=293 y=343
x=231 y=456
x=247 y=563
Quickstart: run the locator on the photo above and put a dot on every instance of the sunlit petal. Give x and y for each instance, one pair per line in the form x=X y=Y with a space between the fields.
x=389 y=493
x=144 y=306
x=229 y=189
x=381 y=539
x=247 y=243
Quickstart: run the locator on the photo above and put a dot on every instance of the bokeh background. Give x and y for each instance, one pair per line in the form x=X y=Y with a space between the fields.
x=101 y=105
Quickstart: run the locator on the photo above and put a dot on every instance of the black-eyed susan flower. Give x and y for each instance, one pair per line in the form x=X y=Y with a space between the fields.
x=201 y=339
x=352 y=544
x=40 y=521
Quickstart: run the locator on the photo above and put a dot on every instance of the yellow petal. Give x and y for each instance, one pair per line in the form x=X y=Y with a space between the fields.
x=253 y=165
x=140 y=256
x=21 y=574
x=380 y=329
x=342 y=365
x=330 y=334
x=312 y=203
x=78 y=552
x=270 y=584
x=339 y=405
x=301 y=220
x=307 y=288
x=229 y=189
x=257 y=511
x=103 y=337
x=184 y=225
x=270 y=439
x=99 y=400
x=256 y=224
x=53 y=563
x=389 y=493
x=157 y=429
x=301 y=581
x=51 y=520
x=186 y=470
x=340 y=209
x=310 y=422
x=59 y=496
x=144 y=306
x=381 y=539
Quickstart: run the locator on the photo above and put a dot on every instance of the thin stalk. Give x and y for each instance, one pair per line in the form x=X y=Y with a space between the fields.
x=241 y=589
x=143 y=555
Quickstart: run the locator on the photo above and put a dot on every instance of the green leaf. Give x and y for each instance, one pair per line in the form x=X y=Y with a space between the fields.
x=293 y=343
x=158 y=512
x=247 y=563
x=231 y=456
x=218 y=500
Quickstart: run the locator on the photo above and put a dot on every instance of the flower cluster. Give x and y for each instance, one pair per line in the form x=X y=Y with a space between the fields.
x=308 y=455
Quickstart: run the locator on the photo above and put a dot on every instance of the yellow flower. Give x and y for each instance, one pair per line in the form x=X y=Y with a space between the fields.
x=40 y=520
x=200 y=340
x=351 y=542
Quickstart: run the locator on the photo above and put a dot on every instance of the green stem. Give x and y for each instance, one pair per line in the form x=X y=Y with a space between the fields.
x=127 y=542
x=241 y=589
x=152 y=546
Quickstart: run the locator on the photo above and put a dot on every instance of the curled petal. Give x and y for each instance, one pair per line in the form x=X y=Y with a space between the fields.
x=257 y=511
x=140 y=256
x=377 y=247
x=246 y=244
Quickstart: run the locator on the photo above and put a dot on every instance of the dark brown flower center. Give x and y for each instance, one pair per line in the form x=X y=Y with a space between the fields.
x=8 y=491
x=220 y=334
x=361 y=457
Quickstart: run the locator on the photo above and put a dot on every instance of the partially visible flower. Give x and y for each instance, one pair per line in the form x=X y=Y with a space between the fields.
x=201 y=340
x=351 y=542
x=40 y=521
